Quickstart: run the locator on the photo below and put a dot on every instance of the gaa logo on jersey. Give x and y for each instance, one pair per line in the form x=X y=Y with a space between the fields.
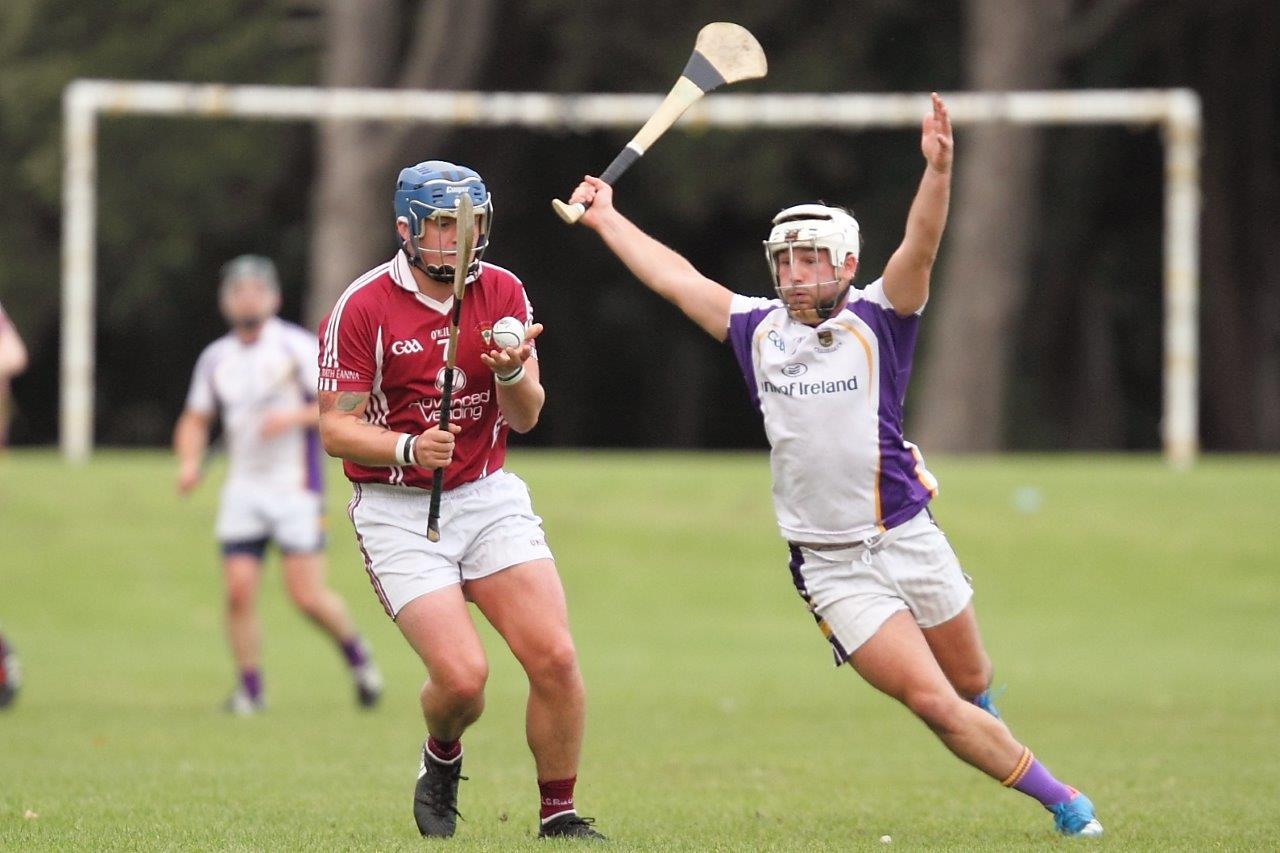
x=459 y=380
x=406 y=347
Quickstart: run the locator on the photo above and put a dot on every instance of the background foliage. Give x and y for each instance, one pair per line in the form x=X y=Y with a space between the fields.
x=179 y=197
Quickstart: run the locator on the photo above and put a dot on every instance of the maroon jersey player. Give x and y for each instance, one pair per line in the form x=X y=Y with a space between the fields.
x=382 y=363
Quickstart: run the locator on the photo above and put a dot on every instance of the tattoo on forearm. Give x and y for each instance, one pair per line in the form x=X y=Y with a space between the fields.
x=348 y=401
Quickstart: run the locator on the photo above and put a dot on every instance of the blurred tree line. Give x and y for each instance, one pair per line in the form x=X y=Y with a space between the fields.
x=1044 y=330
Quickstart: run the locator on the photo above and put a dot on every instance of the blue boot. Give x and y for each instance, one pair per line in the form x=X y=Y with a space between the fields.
x=986 y=700
x=1075 y=817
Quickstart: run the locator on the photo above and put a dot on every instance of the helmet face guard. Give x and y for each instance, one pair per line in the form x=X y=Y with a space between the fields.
x=818 y=229
x=430 y=191
x=443 y=272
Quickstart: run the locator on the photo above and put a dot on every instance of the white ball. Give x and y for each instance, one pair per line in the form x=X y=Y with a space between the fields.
x=508 y=332
x=885 y=839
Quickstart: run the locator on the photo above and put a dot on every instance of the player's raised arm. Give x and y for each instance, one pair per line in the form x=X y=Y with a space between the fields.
x=661 y=269
x=906 y=276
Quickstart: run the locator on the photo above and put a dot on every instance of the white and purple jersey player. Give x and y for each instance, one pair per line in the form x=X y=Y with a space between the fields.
x=273 y=481
x=846 y=377
x=828 y=367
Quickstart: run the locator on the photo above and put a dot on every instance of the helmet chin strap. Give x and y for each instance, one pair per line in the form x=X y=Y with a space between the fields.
x=825 y=311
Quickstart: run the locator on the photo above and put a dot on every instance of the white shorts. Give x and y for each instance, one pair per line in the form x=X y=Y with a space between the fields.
x=250 y=514
x=485 y=526
x=852 y=590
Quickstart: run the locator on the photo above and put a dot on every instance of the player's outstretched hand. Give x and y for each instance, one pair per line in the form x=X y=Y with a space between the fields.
x=597 y=196
x=936 y=142
x=504 y=362
x=188 y=478
x=434 y=448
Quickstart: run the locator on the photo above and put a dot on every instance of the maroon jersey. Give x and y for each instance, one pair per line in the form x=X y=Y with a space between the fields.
x=386 y=338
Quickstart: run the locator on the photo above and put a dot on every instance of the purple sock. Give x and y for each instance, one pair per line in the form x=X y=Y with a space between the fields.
x=1034 y=779
x=353 y=651
x=251 y=681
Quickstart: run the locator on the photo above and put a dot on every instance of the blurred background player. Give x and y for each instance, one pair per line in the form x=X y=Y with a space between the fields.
x=827 y=367
x=13 y=360
x=382 y=366
x=261 y=379
x=10 y=673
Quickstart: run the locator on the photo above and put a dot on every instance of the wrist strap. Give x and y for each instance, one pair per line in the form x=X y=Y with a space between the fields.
x=404 y=449
x=510 y=378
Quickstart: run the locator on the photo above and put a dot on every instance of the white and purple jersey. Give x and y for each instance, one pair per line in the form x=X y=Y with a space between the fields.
x=246 y=381
x=831 y=397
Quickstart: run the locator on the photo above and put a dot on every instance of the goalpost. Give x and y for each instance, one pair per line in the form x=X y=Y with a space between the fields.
x=1175 y=111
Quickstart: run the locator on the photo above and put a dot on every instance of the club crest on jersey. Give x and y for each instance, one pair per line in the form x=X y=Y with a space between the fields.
x=486 y=334
x=825 y=337
x=459 y=380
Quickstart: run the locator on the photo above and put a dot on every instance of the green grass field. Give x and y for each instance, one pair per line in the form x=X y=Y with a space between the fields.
x=1133 y=613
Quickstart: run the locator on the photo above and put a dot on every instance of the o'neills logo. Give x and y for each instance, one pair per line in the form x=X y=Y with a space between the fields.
x=810 y=389
x=459 y=380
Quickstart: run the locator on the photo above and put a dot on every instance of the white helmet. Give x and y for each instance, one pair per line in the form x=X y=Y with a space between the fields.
x=817 y=227
x=254 y=268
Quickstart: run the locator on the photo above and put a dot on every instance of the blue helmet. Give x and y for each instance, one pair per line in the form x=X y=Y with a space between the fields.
x=430 y=190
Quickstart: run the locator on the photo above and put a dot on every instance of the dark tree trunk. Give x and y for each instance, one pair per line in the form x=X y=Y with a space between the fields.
x=353 y=228
x=1240 y=333
x=986 y=266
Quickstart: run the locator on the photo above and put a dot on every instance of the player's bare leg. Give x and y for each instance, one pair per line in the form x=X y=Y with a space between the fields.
x=526 y=604
x=242 y=573
x=439 y=628
x=304 y=579
x=897 y=661
x=957 y=646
